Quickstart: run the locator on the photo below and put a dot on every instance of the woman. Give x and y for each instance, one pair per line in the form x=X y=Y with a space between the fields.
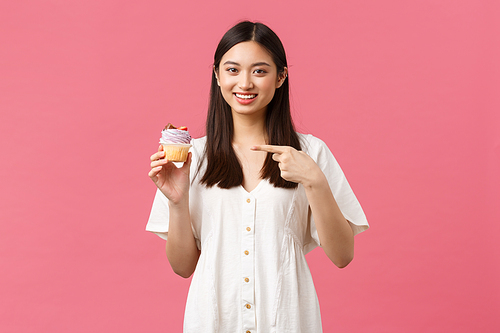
x=259 y=197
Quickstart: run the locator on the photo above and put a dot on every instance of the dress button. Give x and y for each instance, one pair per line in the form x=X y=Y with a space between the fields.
x=247 y=253
x=248 y=200
x=248 y=306
x=247 y=279
x=248 y=228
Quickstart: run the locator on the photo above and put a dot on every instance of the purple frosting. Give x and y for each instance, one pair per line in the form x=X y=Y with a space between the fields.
x=175 y=136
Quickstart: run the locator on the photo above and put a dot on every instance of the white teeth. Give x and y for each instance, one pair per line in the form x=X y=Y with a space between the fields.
x=245 y=96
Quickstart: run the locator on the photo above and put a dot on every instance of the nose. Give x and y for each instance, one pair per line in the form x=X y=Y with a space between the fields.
x=245 y=81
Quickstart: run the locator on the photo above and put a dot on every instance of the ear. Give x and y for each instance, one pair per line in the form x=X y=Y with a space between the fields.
x=216 y=76
x=282 y=77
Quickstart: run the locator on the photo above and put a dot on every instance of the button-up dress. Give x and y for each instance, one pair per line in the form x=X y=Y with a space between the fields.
x=252 y=275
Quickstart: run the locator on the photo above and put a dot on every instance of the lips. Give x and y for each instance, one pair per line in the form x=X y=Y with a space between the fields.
x=245 y=98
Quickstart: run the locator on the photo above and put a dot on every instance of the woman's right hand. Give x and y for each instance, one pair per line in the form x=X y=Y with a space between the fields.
x=173 y=182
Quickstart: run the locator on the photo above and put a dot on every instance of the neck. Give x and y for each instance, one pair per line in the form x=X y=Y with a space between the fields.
x=249 y=130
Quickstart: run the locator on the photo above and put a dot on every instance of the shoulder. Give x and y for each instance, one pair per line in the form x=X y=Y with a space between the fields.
x=199 y=142
x=311 y=144
x=318 y=150
x=198 y=146
x=198 y=152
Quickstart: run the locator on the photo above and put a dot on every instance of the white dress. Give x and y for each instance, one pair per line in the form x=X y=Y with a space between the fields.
x=252 y=275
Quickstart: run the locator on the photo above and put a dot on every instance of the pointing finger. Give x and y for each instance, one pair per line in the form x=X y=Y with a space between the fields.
x=270 y=149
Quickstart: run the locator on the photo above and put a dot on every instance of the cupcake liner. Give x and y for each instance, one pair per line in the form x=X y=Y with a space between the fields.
x=176 y=152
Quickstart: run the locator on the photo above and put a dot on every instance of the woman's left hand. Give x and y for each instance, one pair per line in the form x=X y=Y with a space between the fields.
x=296 y=166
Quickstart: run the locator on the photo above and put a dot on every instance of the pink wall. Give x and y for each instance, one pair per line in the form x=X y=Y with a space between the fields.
x=406 y=94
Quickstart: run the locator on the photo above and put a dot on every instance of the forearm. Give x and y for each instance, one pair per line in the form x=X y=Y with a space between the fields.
x=335 y=234
x=181 y=248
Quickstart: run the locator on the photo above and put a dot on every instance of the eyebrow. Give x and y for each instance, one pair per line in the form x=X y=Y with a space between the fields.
x=262 y=63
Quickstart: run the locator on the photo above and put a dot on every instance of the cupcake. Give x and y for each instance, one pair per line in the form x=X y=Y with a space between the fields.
x=175 y=142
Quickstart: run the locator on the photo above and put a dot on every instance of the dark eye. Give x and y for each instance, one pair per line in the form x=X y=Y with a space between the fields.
x=232 y=70
x=260 y=71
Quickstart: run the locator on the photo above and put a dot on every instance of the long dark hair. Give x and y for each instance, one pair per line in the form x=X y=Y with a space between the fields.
x=223 y=167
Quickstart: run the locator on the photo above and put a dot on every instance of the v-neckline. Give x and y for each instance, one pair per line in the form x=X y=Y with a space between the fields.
x=255 y=188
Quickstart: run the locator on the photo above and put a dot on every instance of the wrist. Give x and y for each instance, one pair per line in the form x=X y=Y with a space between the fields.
x=179 y=205
x=316 y=179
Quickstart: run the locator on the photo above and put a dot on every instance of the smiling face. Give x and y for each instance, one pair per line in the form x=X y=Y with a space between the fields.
x=248 y=78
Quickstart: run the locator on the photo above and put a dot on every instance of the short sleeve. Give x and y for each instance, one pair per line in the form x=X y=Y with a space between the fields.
x=341 y=190
x=158 y=218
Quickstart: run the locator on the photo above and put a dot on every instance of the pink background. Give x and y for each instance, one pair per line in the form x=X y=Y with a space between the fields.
x=405 y=93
